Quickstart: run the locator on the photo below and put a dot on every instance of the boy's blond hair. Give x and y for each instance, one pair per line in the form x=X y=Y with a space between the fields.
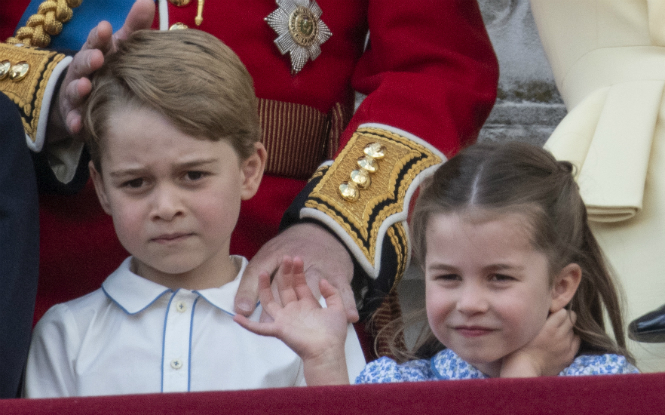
x=188 y=76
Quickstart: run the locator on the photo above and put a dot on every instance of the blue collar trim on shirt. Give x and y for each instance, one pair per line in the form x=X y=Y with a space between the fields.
x=134 y=294
x=191 y=335
x=130 y=292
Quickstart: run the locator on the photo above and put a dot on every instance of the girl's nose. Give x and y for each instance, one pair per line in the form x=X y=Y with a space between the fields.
x=472 y=300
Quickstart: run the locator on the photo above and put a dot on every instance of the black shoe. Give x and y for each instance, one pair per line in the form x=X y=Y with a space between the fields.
x=650 y=328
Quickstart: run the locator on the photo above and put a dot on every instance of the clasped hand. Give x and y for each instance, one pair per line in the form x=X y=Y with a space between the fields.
x=550 y=352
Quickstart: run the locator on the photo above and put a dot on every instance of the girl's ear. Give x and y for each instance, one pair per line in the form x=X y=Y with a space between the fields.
x=565 y=285
x=252 y=171
x=99 y=187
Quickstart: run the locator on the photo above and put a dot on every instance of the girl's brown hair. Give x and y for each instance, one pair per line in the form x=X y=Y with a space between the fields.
x=522 y=178
x=188 y=76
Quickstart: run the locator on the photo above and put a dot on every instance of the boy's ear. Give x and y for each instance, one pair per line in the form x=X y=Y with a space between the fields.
x=565 y=286
x=252 y=171
x=99 y=187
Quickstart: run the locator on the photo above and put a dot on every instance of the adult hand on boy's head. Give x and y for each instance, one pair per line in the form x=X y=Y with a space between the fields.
x=65 y=118
x=324 y=257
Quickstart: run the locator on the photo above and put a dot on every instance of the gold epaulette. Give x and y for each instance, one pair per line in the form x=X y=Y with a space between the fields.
x=47 y=22
x=24 y=78
x=364 y=195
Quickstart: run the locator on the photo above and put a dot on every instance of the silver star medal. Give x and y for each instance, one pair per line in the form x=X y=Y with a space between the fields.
x=300 y=30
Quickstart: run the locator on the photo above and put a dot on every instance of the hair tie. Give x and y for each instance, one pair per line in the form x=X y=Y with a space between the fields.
x=566 y=166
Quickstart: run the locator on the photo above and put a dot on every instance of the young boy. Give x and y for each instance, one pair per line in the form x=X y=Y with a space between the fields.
x=173 y=133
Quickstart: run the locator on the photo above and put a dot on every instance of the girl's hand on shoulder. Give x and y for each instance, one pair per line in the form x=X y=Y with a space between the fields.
x=551 y=351
x=297 y=317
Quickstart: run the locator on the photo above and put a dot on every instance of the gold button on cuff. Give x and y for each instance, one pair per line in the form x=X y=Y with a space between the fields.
x=361 y=178
x=179 y=3
x=349 y=191
x=19 y=71
x=368 y=163
x=375 y=150
x=178 y=26
x=4 y=69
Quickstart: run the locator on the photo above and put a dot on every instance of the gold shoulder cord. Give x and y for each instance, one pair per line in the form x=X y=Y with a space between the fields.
x=45 y=23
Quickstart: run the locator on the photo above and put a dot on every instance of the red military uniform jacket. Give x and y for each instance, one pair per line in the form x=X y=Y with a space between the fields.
x=430 y=77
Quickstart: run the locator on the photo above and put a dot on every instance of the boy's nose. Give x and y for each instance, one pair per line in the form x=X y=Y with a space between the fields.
x=166 y=203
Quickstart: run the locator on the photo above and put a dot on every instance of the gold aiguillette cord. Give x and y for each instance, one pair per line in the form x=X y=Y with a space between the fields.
x=199 y=13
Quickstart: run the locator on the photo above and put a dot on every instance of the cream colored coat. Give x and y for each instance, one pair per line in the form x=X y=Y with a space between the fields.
x=608 y=59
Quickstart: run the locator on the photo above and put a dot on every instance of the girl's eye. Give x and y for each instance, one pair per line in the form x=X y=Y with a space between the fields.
x=134 y=183
x=501 y=277
x=448 y=277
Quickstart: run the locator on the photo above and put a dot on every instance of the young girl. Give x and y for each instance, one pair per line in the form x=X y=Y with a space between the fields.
x=510 y=265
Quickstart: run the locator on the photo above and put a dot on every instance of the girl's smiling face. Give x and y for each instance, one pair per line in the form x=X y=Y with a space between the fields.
x=488 y=291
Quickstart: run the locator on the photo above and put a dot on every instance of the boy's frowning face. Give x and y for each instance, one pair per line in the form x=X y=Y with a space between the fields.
x=174 y=199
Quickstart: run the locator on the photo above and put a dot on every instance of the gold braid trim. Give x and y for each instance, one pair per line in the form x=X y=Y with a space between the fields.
x=28 y=93
x=404 y=160
x=47 y=21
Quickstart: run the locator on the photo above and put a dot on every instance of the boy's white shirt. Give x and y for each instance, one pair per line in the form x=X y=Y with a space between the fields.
x=135 y=336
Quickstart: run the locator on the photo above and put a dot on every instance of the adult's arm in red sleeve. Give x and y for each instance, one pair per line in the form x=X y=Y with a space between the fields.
x=430 y=75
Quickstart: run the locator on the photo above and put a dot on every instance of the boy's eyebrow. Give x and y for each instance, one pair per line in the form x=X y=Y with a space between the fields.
x=196 y=162
x=184 y=165
x=126 y=172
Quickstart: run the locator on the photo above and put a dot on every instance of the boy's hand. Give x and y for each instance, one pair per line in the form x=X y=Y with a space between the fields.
x=325 y=256
x=65 y=117
x=315 y=333
x=551 y=351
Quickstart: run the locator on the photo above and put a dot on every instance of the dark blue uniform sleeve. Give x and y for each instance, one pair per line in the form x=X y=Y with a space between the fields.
x=19 y=247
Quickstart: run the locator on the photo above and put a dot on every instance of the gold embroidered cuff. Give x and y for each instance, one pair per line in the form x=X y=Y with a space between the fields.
x=384 y=167
x=26 y=81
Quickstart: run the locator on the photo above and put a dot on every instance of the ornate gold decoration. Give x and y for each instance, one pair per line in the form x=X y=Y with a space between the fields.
x=4 y=69
x=180 y=3
x=29 y=93
x=361 y=178
x=300 y=30
x=402 y=162
x=318 y=173
x=368 y=164
x=398 y=238
x=199 y=13
x=349 y=191
x=19 y=71
x=303 y=27
x=47 y=21
x=375 y=151
x=178 y=26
